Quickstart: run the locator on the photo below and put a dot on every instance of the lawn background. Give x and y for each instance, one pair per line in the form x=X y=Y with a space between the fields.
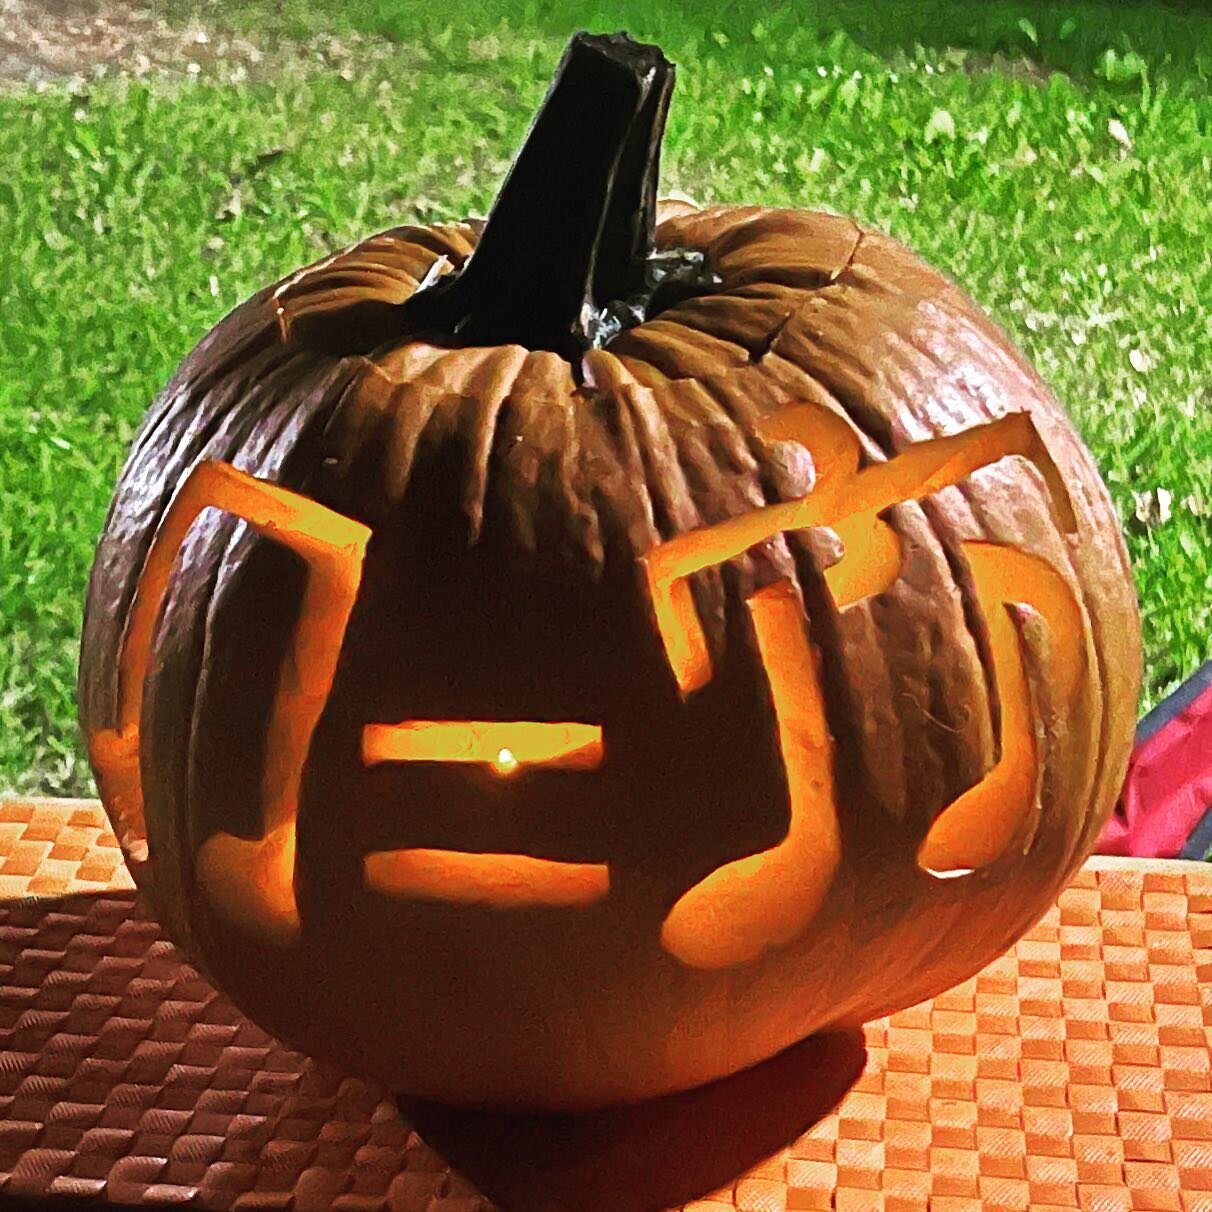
x=1054 y=158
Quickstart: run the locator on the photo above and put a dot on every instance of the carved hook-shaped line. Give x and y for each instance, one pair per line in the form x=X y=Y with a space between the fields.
x=253 y=881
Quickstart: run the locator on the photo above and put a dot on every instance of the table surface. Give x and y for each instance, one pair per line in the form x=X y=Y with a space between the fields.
x=1074 y=1072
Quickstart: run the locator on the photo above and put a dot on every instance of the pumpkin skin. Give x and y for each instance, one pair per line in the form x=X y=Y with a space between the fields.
x=513 y=517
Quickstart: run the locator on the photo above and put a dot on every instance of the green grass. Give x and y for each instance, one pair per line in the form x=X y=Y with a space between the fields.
x=133 y=217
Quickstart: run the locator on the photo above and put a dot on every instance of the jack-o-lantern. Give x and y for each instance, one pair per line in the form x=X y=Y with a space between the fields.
x=570 y=658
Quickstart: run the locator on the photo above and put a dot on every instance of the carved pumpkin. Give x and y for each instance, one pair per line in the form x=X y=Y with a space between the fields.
x=568 y=659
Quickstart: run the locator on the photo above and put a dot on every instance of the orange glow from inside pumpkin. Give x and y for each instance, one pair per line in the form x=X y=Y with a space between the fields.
x=743 y=907
x=249 y=881
x=503 y=746
x=847 y=498
x=766 y=899
x=978 y=826
x=501 y=880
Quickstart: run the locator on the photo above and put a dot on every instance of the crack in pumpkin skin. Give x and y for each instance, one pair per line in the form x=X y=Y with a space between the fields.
x=572 y=476
x=882 y=269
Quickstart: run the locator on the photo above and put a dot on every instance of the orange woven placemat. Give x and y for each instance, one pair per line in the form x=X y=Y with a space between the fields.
x=1072 y=1073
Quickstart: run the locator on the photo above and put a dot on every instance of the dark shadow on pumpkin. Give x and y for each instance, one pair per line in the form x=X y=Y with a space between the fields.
x=651 y=1155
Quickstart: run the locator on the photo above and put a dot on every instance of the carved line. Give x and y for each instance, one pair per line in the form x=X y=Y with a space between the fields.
x=843 y=492
x=250 y=881
x=969 y=833
x=977 y=827
x=504 y=881
x=505 y=745
x=764 y=900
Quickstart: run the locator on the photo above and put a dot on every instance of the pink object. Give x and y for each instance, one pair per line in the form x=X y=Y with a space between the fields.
x=1168 y=790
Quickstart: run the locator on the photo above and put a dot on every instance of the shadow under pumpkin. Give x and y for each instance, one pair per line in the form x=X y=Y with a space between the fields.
x=62 y=1038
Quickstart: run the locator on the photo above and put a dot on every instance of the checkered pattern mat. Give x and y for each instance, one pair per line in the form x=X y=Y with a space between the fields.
x=1074 y=1072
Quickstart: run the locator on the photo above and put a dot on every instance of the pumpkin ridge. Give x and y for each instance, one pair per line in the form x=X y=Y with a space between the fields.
x=456 y=240
x=885 y=636
x=772 y=338
x=168 y=808
x=681 y=228
x=246 y=346
x=353 y=416
x=535 y=454
x=676 y=509
x=700 y=315
x=538 y=457
x=489 y=390
x=321 y=308
x=195 y=381
x=946 y=534
x=737 y=397
x=152 y=498
x=974 y=613
x=714 y=216
x=839 y=691
x=227 y=347
x=673 y=510
x=644 y=373
x=846 y=391
x=952 y=777
x=618 y=428
x=416 y=361
x=640 y=344
x=287 y=453
x=972 y=622
x=668 y=345
x=1099 y=685
x=458 y=368
x=852 y=657
x=410 y=408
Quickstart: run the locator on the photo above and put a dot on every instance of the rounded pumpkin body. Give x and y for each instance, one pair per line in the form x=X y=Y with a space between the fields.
x=865 y=761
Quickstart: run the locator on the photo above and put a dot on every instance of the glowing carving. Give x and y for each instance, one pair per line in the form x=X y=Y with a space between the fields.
x=249 y=881
x=503 y=745
x=500 y=880
x=976 y=828
x=724 y=920
x=845 y=496
x=743 y=907
x=764 y=900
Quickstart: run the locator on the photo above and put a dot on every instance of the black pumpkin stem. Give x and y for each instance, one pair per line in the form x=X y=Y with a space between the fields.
x=566 y=259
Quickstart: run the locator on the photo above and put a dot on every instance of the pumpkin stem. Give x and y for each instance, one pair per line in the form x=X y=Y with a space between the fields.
x=566 y=257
